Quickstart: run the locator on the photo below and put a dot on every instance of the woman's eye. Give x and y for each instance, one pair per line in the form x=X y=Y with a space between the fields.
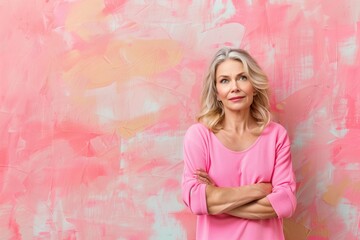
x=223 y=81
x=244 y=78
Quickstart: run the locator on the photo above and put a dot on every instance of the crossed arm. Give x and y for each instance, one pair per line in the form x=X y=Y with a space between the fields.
x=255 y=201
x=248 y=202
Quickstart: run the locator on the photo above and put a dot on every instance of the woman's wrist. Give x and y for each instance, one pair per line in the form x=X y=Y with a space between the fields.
x=261 y=190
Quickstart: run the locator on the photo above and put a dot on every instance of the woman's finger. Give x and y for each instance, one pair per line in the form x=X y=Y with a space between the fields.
x=205 y=174
x=202 y=176
x=202 y=173
x=205 y=180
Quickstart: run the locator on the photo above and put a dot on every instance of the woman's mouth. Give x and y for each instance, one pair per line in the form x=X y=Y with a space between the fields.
x=235 y=99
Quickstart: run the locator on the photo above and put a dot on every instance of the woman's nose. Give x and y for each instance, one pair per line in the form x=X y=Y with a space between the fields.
x=234 y=86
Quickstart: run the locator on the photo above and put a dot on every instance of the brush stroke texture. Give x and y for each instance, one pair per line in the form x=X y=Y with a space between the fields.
x=95 y=97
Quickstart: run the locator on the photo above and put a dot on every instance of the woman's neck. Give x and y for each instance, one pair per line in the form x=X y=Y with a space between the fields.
x=238 y=121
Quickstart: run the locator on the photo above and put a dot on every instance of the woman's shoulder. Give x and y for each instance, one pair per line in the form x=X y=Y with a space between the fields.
x=276 y=132
x=197 y=130
x=275 y=128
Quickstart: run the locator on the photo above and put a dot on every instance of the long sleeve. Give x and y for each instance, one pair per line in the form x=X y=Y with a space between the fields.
x=283 y=199
x=195 y=155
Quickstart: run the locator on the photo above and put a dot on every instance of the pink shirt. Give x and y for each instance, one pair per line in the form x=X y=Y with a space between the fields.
x=266 y=160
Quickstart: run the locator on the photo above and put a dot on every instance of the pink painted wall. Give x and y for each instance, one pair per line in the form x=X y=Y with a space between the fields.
x=96 y=96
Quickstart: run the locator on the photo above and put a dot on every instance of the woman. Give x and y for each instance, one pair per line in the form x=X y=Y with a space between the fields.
x=238 y=175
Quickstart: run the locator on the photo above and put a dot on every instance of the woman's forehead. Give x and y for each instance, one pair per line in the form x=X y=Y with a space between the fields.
x=230 y=66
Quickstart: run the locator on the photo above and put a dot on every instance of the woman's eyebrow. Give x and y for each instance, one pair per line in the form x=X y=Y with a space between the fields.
x=222 y=76
x=241 y=73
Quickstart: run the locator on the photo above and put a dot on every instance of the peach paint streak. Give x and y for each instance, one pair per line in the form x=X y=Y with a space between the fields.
x=96 y=96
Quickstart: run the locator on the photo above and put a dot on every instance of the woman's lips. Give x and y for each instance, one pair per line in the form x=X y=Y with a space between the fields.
x=234 y=99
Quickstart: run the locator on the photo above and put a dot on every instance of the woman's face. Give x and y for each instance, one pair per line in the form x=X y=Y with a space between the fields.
x=233 y=86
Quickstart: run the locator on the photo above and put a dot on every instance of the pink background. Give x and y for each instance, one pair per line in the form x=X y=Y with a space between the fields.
x=96 y=96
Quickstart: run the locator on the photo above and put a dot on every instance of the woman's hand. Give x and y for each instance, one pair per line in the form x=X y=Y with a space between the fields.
x=203 y=177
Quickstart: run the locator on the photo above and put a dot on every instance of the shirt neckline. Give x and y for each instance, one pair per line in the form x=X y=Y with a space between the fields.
x=242 y=151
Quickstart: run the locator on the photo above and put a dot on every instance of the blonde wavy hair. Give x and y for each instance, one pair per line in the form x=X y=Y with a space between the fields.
x=212 y=113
